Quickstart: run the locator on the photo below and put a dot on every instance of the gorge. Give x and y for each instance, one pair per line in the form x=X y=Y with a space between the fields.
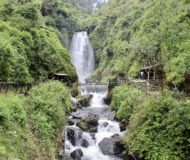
x=101 y=140
x=114 y=75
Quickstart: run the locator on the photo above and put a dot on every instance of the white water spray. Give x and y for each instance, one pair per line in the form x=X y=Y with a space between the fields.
x=82 y=55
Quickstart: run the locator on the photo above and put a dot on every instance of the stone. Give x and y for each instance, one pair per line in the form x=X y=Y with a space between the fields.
x=77 y=154
x=91 y=120
x=124 y=155
x=111 y=115
x=73 y=134
x=84 y=143
x=108 y=98
x=82 y=125
x=112 y=146
x=93 y=129
x=85 y=100
x=93 y=135
x=105 y=124
x=70 y=122
x=66 y=157
x=123 y=125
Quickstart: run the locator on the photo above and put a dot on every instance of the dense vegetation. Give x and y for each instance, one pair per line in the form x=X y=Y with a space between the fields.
x=127 y=35
x=29 y=50
x=159 y=123
x=30 y=128
x=34 y=35
x=130 y=35
x=138 y=34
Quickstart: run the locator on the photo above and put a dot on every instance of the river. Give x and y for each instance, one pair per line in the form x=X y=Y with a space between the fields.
x=95 y=142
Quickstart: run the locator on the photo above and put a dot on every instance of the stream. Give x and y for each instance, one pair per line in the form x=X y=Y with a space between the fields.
x=92 y=134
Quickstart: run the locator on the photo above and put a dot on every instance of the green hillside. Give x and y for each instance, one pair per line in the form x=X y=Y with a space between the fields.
x=130 y=35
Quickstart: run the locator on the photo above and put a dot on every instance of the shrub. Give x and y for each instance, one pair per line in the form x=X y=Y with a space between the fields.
x=47 y=104
x=160 y=129
x=124 y=100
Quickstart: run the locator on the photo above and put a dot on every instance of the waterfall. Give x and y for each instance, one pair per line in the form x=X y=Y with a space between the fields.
x=93 y=134
x=82 y=55
x=97 y=3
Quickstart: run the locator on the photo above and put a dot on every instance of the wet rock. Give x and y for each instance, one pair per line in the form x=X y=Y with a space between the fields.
x=77 y=154
x=93 y=135
x=93 y=129
x=112 y=146
x=66 y=157
x=123 y=125
x=82 y=125
x=70 y=122
x=124 y=155
x=73 y=134
x=92 y=120
x=85 y=143
x=108 y=98
x=111 y=115
x=105 y=124
x=89 y=123
x=85 y=100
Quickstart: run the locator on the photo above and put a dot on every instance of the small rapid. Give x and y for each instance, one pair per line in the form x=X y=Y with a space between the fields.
x=106 y=128
x=92 y=134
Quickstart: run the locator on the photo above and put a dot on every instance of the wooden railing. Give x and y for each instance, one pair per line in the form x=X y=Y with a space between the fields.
x=12 y=86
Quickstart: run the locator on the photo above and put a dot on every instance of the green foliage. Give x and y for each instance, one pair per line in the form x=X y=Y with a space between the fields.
x=142 y=33
x=125 y=98
x=28 y=50
x=29 y=127
x=160 y=129
x=15 y=136
x=63 y=16
x=48 y=103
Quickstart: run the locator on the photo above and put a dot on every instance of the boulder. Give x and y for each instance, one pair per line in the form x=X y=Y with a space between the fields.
x=82 y=125
x=85 y=143
x=112 y=146
x=108 y=98
x=73 y=134
x=85 y=100
x=70 y=122
x=91 y=120
x=93 y=135
x=93 y=129
x=124 y=155
x=66 y=157
x=88 y=124
x=77 y=154
x=123 y=125
x=111 y=116
x=105 y=124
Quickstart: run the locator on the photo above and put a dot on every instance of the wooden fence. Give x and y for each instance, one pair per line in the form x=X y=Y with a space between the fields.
x=12 y=86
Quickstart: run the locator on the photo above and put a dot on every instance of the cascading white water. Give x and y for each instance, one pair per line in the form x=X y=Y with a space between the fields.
x=95 y=3
x=93 y=152
x=82 y=55
x=83 y=60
